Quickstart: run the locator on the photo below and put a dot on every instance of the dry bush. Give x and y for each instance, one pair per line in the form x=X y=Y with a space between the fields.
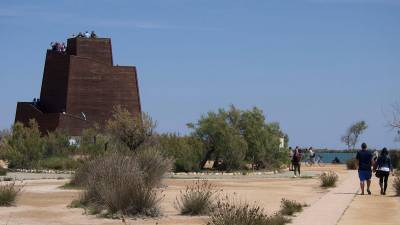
x=197 y=199
x=233 y=212
x=290 y=207
x=396 y=184
x=351 y=164
x=8 y=193
x=328 y=179
x=120 y=184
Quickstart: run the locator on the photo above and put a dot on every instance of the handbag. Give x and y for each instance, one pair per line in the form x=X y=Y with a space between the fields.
x=378 y=173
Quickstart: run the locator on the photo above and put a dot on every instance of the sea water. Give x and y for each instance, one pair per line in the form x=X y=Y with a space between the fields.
x=328 y=157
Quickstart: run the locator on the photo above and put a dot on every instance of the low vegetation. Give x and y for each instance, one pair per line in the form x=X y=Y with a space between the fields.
x=351 y=164
x=395 y=157
x=232 y=138
x=328 y=179
x=8 y=193
x=3 y=171
x=120 y=184
x=233 y=212
x=396 y=184
x=290 y=207
x=25 y=148
x=197 y=199
x=59 y=163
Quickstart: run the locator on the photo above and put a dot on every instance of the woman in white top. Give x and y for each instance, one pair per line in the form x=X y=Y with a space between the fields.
x=384 y=167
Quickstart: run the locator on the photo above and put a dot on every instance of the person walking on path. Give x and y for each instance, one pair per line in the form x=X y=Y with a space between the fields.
x=365 y=162
x=296 y=161
x=291 y=153
x=384 y=167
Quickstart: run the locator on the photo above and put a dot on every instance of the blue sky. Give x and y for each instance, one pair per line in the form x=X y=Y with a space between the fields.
x=314 y=66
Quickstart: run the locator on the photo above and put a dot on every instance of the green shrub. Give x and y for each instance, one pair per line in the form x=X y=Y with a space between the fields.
x=123 y=184
x=186 y=151
x=396 y=185
x=351 y=164
x=290 y=207
x=395 y=157
x=3 y=171
x=328 y=179
x=232 y=212
x=197 y=199
x=25 y=146
x=58 y=163
x=8 y=193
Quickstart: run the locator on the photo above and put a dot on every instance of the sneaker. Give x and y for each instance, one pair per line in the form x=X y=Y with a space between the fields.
x=294 y=176
x=384 y=193
x=369 y=192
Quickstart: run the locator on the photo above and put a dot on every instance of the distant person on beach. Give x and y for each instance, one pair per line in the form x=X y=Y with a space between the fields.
x=336 y=160
x=384 y=167
x=365 y=161
x=296 y=160
x=87 y=34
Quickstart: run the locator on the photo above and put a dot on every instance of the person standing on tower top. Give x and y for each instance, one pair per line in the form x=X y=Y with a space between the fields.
x=87 y=35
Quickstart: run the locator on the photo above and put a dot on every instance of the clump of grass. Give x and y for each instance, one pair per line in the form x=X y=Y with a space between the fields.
x=396 y=184
x=351 y=164
x=122 y=184
x=278 y=219
x=197 y=199
x=328 y=179
x=290 y=207
x=76 y=204
x=3 y=171
x=8 y=193
x=233 y=212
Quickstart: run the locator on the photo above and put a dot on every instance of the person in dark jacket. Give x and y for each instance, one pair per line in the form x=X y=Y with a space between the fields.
x=365 y=161
x=384 y=167
x=296 y=160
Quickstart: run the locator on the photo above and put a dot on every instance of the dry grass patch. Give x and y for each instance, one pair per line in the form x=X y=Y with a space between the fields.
x=328 y=179
x=229 y=211
x=8 y=193
x=290 y=207
x=120 y=184
x=197 y=199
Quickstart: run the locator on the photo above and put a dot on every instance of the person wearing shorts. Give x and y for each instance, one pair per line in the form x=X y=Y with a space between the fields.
x=365 y=161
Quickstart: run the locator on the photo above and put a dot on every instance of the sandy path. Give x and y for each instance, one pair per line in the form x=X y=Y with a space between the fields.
x=43 y=202
x=375 y=209
x=330 y=207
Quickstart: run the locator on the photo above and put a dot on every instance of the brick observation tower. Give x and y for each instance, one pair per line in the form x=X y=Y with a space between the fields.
x=80 y=87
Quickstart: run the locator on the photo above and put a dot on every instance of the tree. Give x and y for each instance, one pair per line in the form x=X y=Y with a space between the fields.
x=353 y=133
x=394 y=121
x=220 y=138
x=187 y=151
x=126 y=130
x=237 y=135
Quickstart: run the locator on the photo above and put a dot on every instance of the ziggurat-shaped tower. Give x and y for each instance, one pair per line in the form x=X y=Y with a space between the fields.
x=80 y=87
